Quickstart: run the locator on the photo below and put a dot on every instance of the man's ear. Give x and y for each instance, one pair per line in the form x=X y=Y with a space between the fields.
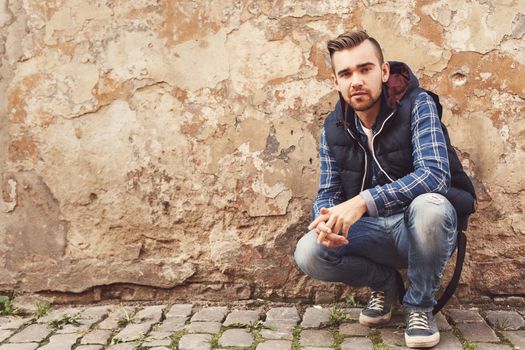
x=385 y=72
x=336 y=83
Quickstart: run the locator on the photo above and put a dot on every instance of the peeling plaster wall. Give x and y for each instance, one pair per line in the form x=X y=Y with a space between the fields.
x=154 y=149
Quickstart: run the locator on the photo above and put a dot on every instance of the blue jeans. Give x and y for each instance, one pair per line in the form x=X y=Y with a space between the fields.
x=421 y=239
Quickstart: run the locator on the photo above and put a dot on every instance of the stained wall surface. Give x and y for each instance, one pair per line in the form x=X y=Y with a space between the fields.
x=154 y=148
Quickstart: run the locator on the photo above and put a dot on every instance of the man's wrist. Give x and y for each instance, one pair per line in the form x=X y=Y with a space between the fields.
x=370 y=204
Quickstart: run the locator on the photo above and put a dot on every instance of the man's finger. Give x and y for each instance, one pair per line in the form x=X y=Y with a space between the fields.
x=324 y=211
x=337 y=226
x=322 y=236
x=346 y=228
x=322 y=217
x=322 y=226
x=334 y=237
x=331 y=221
x=334 y=241
x=331 y=238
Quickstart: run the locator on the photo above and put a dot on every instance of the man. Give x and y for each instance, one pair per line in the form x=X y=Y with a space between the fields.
x=381 y=202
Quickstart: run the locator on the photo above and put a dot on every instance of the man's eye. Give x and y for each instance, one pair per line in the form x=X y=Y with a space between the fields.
x=365 y=70
x=345 y=74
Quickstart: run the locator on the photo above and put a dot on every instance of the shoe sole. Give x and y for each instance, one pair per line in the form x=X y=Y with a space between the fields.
x=374 y=321
x=421 y=341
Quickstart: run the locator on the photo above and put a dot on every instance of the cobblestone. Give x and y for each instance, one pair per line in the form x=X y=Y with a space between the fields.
x=61 y=342
x=211 y=314
x=274 y=345
x=319 y=338
x=195 y=342
x=393 y=336
x=353 y=329
x=34 y=333
x=282 y=333
x=157 y=340
x=15 y=323
x=283 y=315
x=479 y=332
x=147 y=327
x=150 y=314
x=517 y=338
x=243 y=317
x=59 y=314
x=115 y=317
x=19 y=346
x=133 y=332
x=357 y=344
x=505 y=320
x=172 y=324
x=352 y=313
x=465 y=316
x=94 y=314
x=236 y=337
x=90 y=347
x=180 y=310
x=122 y=346
x=4 y=334
x=442 y=322
x=98 y=336
x=204 y=327
x=487 y=346
x=315 y=317
x=448 y=342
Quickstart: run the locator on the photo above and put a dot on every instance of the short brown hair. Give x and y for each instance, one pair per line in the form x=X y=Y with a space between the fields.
x=352 y=39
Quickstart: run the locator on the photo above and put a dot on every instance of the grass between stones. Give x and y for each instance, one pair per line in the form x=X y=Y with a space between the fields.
x=377 y=342
x=64 y=320
x=6 y=306
x=175 y=338
x=499 y=332
x=42 y=308
x=296 y=338
x=338 y=339
x=337 y=316
x=467 y=344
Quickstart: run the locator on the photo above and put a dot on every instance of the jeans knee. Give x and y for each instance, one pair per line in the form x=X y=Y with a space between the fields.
x=305 y=252
x=432 y=209
x=431 y=214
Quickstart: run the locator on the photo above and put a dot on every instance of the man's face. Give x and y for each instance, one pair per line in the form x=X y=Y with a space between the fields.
x=359 y=75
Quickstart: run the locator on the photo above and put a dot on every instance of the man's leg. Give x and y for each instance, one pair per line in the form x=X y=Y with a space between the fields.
x=426 y=238
x=366 y=261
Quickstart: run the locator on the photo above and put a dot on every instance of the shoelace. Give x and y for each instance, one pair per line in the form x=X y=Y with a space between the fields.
x=377 y=301
x=418 y=320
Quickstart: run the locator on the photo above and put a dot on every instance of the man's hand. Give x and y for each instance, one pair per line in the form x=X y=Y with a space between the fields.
x=332 y=220
x=326 y=237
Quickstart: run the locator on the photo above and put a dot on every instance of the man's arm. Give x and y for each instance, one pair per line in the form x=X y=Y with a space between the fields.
x=329 y=197
x=431 y=168
x=330 y=189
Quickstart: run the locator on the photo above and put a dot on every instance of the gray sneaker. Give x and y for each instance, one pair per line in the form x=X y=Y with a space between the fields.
x=379 y=308
x=422 y=330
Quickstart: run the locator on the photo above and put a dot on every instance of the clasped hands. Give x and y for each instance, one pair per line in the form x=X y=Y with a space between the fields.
x=332 y=221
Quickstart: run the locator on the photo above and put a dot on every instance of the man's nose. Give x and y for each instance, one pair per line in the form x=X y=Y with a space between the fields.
x=357 y=81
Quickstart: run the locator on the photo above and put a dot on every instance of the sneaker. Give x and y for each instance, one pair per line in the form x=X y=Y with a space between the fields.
x=421 y=331
x=379 y=308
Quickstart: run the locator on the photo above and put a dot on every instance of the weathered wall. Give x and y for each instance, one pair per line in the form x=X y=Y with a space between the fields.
x=155 y=148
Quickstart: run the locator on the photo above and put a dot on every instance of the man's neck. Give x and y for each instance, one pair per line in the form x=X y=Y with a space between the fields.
x=369 y=116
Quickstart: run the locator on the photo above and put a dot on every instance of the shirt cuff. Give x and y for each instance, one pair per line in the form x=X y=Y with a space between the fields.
x=370 y=203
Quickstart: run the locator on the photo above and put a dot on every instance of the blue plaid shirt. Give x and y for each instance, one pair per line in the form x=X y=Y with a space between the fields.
x=431 y=169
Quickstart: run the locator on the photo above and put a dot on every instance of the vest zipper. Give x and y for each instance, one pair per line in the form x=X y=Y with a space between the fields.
x=373 y=153
x=366 y=159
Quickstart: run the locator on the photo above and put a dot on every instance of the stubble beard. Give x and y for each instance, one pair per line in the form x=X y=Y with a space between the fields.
x=365 y=105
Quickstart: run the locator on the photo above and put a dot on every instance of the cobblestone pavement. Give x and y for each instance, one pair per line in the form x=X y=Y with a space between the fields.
x=252 y=326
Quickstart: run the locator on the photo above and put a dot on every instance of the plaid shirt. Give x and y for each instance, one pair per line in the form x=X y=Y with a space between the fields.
x=431 y=169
